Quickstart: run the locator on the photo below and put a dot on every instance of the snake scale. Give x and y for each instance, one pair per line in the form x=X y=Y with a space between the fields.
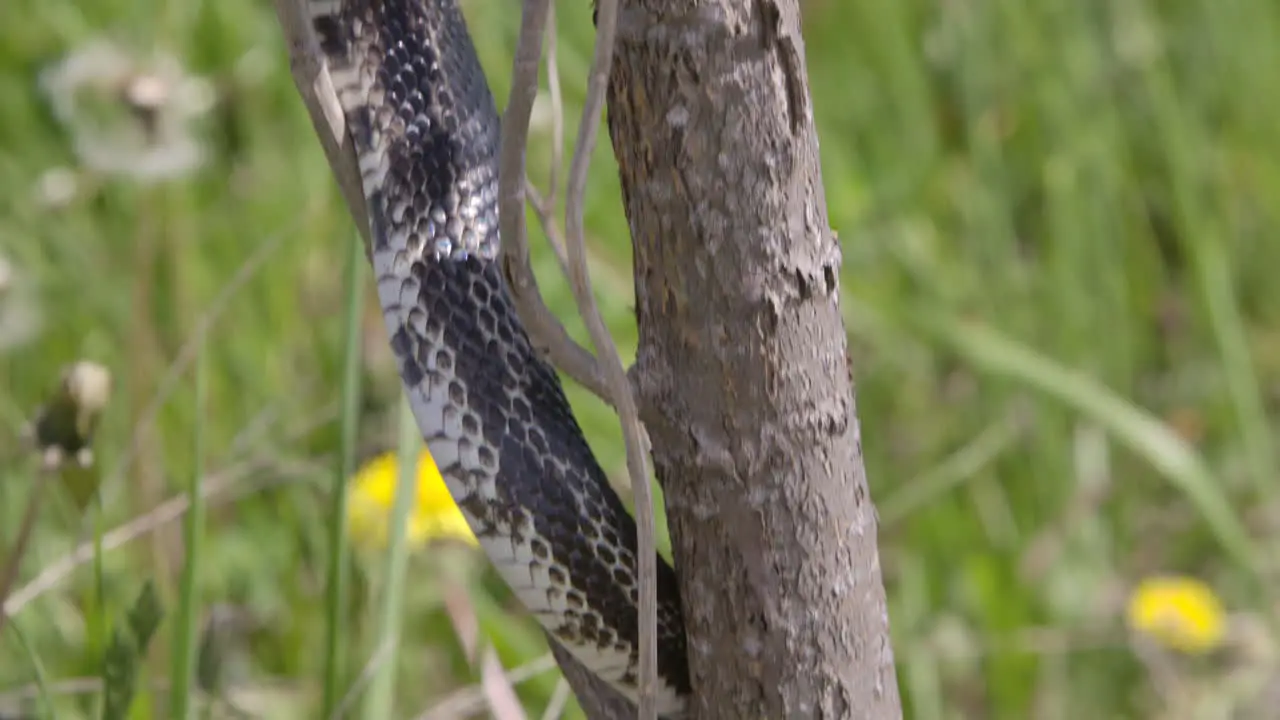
x=491 y=410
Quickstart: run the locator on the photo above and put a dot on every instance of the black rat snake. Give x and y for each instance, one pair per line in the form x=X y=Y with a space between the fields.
x=491 y=410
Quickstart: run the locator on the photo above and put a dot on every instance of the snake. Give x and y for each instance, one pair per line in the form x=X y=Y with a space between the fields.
x=491 y=409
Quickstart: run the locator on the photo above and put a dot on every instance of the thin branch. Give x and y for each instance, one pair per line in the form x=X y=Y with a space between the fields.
x=164 y=513
x=81 y=686
x=545 y=208
x=311 y=76
x=314 y=84
x=545 y=211
x=14 y=562
x=544 y=329
x=193 y=345
x=599 y=699
x=376 y=660
x=557 y=112
x=501 y=697
x=470 y=701
x=559 y=698
x=316 y=88
x=462 y=615
x=616 y=374
x=1033 y=641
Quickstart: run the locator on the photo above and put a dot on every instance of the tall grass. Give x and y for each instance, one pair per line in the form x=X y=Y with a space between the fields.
x=187 y=631
x=1059 y=230
x=338 y=571
x=381 y=699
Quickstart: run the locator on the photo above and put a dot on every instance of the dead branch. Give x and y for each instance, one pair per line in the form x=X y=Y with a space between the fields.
x=315 y=86
x=544 y=329
x=607 y=352
x=311 y=76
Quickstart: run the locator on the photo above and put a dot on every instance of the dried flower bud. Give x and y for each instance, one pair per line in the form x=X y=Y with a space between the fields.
x=64 y=426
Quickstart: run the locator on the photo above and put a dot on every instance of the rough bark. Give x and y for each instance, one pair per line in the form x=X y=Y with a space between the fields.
x=742 y=374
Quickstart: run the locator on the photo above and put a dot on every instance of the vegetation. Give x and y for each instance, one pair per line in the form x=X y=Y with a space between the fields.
x=1059 y=226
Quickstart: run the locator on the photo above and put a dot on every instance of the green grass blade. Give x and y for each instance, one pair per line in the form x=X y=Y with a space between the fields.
x=1144 y=435
x=1247 y=395
x=380 y=702
x=102 y=627
x=123 y=657
x=188 y=620
x=960 y=466
x=338 y=571
x=1206 y=243
x=37 y=669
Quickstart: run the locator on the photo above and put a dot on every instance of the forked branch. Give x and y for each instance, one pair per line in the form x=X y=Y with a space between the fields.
x=314 y=84
x=543 y=327
x=515 y=125
x=607 y=378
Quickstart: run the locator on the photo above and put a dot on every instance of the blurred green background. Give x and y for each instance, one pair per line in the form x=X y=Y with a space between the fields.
x=1059 y=223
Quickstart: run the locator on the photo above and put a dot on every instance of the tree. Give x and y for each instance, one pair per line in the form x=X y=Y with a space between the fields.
x=741 y=378
x=741 y=371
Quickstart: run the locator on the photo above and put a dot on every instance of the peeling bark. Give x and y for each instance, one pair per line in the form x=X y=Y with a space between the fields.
x=742 y=375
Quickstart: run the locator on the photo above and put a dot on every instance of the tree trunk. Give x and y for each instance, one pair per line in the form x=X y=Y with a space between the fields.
x=742 y=375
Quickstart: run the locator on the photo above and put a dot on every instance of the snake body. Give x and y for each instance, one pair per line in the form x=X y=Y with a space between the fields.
x=491 y=410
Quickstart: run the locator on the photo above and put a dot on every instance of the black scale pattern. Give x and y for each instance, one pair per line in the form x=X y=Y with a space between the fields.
x=455 y=326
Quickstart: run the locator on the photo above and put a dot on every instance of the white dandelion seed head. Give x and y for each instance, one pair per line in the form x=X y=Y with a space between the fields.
x=19 y=313
x=129 y=116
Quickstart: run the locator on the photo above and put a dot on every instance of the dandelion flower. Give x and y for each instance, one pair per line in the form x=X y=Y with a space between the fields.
x=20 y=319
x=373 y=496
x=57 y=188
x=1180 y=613
x=129 y=115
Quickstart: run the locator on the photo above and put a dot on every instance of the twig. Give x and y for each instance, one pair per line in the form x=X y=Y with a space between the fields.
x=79 y=686
x=462 y=615
x=498 y=693
x=312 y=80
x=545 y=210
x=501 y=697
x=311 y=77
x=557 y=112
x=164 y=513
x=1030 y=641
x=376 y=660
x=559 y=698
x=599 y=699
x=31 y=691
x=471 y=700
x=607 y=352
x=14 y=562
x=193 y=346
x=314 y=84
x=544 y=329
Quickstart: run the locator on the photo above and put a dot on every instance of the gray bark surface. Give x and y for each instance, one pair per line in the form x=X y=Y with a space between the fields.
x=742 y=376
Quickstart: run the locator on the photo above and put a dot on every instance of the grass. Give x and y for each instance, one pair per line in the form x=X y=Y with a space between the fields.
x=335 y=597
x=188 y=620
x=1059 y=227
x=381 y=698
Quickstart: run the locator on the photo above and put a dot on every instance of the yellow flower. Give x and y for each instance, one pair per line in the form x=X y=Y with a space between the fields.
x=1181 y=613
x=372 y=501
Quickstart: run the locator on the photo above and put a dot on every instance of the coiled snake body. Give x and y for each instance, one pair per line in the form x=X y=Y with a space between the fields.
x=491 y=410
